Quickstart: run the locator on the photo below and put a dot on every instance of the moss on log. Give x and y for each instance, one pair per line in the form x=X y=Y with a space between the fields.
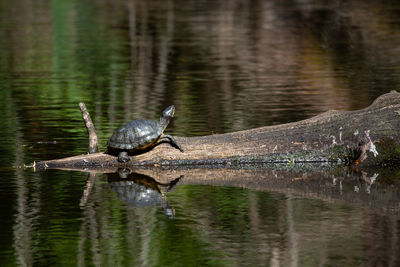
x=363 y=137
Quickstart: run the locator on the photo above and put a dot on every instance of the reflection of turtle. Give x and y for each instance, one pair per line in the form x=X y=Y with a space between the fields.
x=140 y=135
x=141 y=190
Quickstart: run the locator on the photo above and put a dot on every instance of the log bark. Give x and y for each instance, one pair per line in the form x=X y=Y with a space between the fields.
x=363 y=137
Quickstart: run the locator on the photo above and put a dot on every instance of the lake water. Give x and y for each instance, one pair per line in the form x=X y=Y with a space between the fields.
x=226 y=66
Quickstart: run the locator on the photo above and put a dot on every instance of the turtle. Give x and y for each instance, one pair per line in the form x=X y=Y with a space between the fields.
x=140 y=135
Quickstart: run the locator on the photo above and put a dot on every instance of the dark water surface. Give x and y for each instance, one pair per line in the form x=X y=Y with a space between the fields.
x=226 y=66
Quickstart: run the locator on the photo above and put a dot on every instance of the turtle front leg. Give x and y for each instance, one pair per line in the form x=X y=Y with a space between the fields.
x=123 y=157
x=168 y=138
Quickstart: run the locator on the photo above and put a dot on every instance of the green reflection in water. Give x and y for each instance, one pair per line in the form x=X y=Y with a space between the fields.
x=213 y=225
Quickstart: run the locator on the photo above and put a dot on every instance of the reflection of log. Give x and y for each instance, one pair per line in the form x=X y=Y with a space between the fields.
x=368 y=136
x=377 y=188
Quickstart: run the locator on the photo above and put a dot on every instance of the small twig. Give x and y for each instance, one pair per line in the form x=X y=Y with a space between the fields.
x=93 y=148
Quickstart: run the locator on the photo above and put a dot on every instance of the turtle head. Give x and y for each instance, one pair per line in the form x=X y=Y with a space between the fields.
x=168 y=113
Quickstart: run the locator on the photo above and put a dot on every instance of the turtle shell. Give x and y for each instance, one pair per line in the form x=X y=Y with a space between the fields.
x=135 y=135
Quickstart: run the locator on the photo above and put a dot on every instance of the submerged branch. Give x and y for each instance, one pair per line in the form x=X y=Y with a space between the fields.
x=370 y=136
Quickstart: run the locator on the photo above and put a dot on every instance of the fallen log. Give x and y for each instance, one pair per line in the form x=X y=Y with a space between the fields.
x=363 y=137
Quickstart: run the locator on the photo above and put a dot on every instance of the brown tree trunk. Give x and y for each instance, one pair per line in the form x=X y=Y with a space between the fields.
x=364 y=137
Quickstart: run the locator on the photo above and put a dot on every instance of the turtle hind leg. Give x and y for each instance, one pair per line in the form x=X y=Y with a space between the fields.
x=170 y=139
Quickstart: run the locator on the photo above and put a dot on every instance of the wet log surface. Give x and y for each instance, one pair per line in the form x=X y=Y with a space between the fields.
x=363 y=137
